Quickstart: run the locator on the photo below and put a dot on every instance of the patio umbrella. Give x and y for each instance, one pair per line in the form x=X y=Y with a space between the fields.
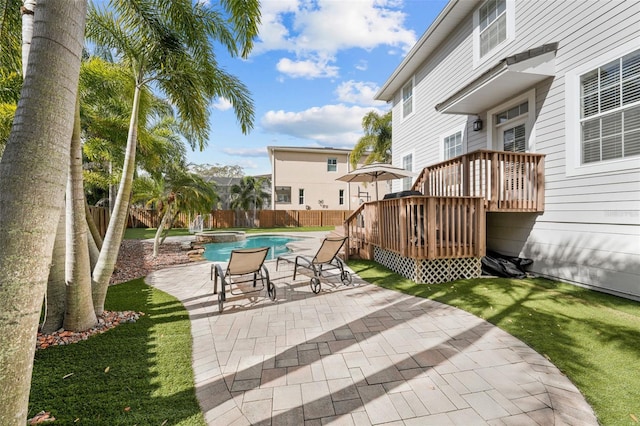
x=375 y=172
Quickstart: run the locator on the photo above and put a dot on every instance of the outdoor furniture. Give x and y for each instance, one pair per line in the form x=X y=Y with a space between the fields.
x=326 y=258
x=245 y=265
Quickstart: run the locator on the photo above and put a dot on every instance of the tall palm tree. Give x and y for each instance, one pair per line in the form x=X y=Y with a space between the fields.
x=376 y=140
x=170 y=45
x=36 y=156
x=248 y=194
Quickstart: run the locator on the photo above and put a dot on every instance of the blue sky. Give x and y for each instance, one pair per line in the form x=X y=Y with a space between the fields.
x=313 y=74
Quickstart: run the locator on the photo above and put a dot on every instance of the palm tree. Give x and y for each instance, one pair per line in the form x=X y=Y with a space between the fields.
x=169 y=45
x=178 y=191
x=36 y=155
x=376 y=139
x=248 y=194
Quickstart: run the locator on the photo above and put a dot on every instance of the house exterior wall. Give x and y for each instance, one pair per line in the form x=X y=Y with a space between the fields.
x=589 y=233
x=306 y=169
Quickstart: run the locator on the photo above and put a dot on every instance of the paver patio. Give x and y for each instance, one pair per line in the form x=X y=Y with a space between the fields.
x=360 y=355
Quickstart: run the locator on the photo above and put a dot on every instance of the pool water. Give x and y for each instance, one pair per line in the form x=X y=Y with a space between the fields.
x=220 y=252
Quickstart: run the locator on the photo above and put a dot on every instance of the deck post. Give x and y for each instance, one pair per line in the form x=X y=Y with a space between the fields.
x=540 y=185
x=495 y=181
x=433 y=228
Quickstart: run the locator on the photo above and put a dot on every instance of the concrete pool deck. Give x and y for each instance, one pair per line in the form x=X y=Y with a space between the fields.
x=359 y=355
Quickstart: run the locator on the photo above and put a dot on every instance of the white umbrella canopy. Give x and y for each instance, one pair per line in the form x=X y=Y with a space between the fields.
x=375 y=172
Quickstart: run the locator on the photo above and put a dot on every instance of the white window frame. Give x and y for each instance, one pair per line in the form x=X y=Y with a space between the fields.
x=511 y=33
x=329 y=163
x=341 y=197
x=300 y=196
x=462 y=128
x=412 y=98
x=493 y=138
x=573 y=147
x=413 y=162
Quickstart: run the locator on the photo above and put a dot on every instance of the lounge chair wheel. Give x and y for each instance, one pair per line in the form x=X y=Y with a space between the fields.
x=315 y=285
x=271 y=290
x=346 y=278
x=220 y=301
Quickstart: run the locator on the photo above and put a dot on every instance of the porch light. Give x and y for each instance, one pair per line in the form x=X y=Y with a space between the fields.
x=477 y=125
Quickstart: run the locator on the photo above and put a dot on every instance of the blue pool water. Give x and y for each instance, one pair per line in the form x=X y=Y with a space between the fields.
x=220 y=252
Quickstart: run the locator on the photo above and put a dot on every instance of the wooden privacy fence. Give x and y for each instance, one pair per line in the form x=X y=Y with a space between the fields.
x=216 y=219
x=101 y=218
x=284 y=218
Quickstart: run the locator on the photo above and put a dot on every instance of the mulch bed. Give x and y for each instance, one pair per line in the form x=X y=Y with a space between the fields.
x=135 y=260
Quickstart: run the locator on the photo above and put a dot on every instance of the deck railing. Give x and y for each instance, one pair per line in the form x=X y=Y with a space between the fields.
x=508 y=181
x=419 y=227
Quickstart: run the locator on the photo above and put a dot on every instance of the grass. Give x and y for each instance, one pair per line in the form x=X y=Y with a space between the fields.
x=593 y=338
x=145 y=233
x=138 y=373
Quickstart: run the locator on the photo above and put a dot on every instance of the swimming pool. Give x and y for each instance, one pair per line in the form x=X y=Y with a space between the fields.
x=220 y=252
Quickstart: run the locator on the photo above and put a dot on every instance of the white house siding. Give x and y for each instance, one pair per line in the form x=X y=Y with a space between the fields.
x=589 y=233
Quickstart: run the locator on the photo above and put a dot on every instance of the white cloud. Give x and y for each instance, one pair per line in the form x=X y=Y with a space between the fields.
x=362 y=65
x=321 y=28
x=358 y=92
x=329 y=125
x=307 y=68
x=255 y=152
x=222 y=104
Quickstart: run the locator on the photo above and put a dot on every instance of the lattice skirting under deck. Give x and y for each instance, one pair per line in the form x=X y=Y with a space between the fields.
x=424 y=271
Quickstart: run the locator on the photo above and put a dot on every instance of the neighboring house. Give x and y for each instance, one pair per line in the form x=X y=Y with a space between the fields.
x=305 y=179
x=557 y=78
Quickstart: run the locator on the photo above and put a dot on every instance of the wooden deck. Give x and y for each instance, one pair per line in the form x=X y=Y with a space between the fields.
x=449 y=220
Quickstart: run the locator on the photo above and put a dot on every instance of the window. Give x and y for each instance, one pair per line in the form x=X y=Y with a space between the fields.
x=494 y=26
x=407 y=164
x=341 y=197
x=283 y=194
x=332 y=164
x=453 y=145
x=610 y=110
x=512 y=124
x=511 y=129
x=407 y=99
x=300 y=196
x=602 y=102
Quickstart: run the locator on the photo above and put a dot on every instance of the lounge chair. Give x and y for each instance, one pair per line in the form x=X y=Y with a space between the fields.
x=325 y=258
x=248 y=265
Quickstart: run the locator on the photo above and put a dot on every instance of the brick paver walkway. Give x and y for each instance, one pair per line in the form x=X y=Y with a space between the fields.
x=360 y=355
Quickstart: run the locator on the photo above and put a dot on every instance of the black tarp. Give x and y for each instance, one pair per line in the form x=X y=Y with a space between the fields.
x=501 y=265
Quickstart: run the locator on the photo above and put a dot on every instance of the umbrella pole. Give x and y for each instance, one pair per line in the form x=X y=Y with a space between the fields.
x=376 y=189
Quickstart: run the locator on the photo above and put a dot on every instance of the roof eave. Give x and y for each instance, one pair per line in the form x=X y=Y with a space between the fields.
x=445 y=22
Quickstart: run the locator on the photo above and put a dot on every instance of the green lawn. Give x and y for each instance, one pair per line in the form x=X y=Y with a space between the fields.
x=593 y=338
x=141 y=373
x=144 y=233
x=138 y=373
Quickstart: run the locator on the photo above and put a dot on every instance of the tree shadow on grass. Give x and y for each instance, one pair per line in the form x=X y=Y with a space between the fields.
x=138 y=373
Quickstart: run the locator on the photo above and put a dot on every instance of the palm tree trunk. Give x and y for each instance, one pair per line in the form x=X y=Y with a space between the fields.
x=36 y=157
x=55 y=299
x=165 y=220
x=79 y=313
x=28 y=7
x=111 y=243
x=93 y=228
